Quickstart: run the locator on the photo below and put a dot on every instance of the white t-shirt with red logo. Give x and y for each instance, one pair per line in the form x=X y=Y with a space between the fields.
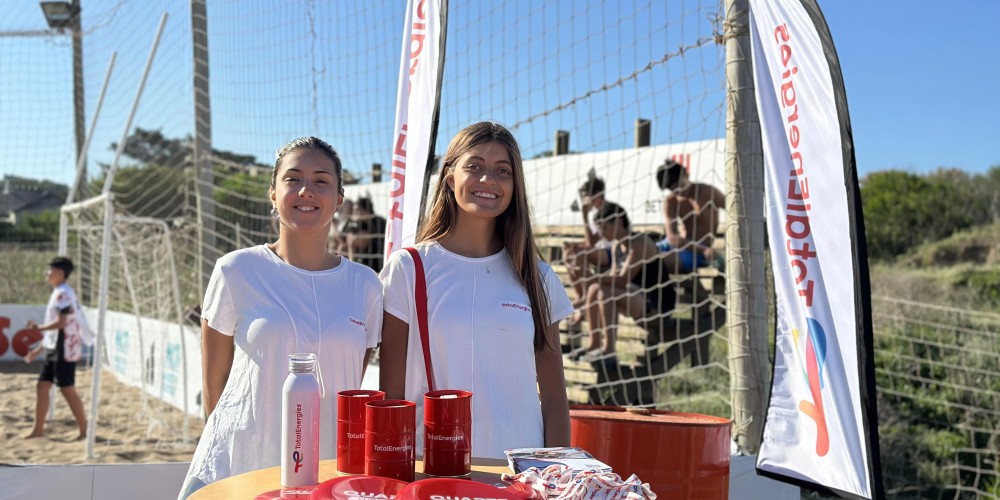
x=274 y=309
x=481 y=335
x=63 y=297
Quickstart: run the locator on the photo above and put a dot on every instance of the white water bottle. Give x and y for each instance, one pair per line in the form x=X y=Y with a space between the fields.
x=300 y=423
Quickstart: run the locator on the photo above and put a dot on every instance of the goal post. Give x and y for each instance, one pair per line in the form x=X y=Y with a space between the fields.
x=142 y=341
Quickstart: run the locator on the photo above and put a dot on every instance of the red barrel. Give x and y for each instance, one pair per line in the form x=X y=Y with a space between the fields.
x=390 y=429
x=448 y=433
x=351 y=429
x=680 y=455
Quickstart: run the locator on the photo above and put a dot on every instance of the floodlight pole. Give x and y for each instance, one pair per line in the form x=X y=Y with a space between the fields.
x=202 y=151
x=58 y=27
x=79 y=127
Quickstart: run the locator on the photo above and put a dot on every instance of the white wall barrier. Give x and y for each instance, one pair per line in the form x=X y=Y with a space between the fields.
x=15 y=339
x=146 y=353
x=93 y=482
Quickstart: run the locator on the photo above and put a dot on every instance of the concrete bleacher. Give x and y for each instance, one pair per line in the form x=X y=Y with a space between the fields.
x=646 y=351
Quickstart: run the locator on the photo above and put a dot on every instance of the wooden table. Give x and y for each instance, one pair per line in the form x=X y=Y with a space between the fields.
x=250 y=484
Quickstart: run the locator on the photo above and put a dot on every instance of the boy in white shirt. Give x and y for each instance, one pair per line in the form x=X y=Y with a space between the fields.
x=63 y=347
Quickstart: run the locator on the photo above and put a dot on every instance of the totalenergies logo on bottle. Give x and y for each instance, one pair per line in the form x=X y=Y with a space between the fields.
x=815 y=362
x=297 y=456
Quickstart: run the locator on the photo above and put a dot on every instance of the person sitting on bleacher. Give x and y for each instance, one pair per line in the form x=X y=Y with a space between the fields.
x=636 y=284
x=691 y=217
x=364 y=235
x=583 y=258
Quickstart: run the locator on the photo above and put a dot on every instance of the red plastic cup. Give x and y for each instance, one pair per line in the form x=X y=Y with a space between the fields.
x=351 y=429
x=390 y=436
x=448 y=433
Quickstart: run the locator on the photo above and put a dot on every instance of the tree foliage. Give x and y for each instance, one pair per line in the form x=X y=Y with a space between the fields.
x=151 y=147
x=34 y=228
x=150 y=191
x=903 y=210
x=241 y=201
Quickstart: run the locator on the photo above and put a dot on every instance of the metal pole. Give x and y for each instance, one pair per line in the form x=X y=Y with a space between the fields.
x=102 y=308
x=135 y=105
x=562 y=143
x=78 y=101
x=63 y=233
x=81 y=159
x=745 y=287
x=202 y=153
x=643 y=131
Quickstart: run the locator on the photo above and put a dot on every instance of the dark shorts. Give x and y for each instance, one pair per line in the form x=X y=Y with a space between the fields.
x=661 y=300
x=63 y=373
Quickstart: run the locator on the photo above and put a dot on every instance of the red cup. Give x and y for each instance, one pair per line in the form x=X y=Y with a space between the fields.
x=351 y=429
x=448 y=433
x=390 y=436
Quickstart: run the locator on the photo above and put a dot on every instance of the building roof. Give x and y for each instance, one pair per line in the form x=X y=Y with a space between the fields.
x=16 y=199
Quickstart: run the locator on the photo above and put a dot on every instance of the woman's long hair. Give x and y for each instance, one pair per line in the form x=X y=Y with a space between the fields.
x=513 y=225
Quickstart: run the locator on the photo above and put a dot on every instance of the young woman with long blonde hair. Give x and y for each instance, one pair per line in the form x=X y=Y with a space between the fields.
x=493 y=305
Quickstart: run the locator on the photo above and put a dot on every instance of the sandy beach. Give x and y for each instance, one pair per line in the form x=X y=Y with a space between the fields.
x=125 y=433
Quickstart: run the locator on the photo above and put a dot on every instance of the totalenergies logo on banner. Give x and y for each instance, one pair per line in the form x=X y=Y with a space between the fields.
x=815 y=362
x=799 y=243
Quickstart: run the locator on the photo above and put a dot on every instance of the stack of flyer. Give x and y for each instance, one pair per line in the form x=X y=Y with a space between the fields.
x=577 y=459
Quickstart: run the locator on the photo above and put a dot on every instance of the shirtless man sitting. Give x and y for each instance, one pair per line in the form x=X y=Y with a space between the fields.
x=691 y=217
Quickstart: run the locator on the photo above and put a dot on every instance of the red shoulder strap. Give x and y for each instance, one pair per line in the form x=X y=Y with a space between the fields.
x=420 y=295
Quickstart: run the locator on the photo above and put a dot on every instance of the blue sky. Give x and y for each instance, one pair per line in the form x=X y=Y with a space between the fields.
x=920 y=80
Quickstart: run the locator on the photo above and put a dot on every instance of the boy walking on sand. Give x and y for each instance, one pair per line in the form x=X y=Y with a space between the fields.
x=62 y=344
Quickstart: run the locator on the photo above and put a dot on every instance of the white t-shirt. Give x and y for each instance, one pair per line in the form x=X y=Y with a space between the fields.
x=595 y=229
x=274 y=309
x=481 y=336
x=64 y=297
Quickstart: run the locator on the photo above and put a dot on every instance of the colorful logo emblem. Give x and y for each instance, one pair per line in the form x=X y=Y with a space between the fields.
x=815 y=370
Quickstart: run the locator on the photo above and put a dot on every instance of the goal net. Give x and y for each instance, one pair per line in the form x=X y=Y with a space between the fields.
x=144 y=378
x=610 y=90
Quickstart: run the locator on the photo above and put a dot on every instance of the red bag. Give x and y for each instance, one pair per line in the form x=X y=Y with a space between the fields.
x=420 y=295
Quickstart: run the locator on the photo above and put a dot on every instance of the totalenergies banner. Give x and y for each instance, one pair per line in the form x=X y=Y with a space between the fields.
x=822 y=427
x=416 y=117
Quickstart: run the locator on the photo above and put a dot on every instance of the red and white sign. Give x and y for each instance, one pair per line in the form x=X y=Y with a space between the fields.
x=416 y=101
x=821 y=429
x=16 y=339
